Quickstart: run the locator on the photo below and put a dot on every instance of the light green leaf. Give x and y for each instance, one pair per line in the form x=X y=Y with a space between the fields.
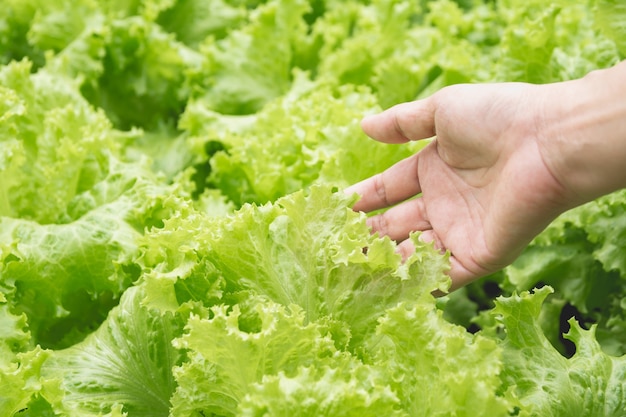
x=194 y=20
x=437 y=368
x=229 y=355
x=20 y=380
x=126 y=362
x=253 y=65
x=610 y=18
x=308 y=249
x=350 y=390
x=591 y=383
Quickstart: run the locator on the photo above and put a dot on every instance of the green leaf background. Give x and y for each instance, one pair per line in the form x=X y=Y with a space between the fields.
x=174 y=240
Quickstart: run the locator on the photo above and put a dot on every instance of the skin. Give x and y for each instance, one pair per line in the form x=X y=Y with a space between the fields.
x=506 y=160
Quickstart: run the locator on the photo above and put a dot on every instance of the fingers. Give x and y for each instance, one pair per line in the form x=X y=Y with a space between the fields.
x=398 y=222
x=402 y=123
x=397 y=183
x=459 y=274
x=401 y=220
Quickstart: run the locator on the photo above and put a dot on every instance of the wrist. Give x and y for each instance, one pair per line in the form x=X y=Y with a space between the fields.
x=583 y=134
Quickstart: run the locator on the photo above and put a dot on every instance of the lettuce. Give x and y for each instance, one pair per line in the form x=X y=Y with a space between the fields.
x=301 y=301
x=589 y=383
x=242 y=76
x=21 y=380
x=417 y=338
x=174 y=240
x=281 y=149
x=127 y=361
x=609 y=16
x=579 y=255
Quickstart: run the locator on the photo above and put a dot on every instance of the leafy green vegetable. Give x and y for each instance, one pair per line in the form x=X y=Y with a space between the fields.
x=282 y=149
x=174 y=240
x=243 y=77
x=610 y=20
x=127 y=362
x=451 y=371
x=590 y=383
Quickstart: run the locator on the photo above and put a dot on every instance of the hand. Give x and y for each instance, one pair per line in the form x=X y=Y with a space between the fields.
x=483 y=188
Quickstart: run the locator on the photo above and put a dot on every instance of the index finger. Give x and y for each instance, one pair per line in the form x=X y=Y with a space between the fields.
x=395 y=184
x=403 y=122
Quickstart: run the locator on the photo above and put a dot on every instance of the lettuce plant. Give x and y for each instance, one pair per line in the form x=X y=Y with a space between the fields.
x=174 y=239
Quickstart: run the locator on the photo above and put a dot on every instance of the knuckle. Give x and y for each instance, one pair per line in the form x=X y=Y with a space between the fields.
x=380 y=224
x=380 y=189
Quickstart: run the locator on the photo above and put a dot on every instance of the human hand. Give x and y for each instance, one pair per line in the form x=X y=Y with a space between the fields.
x=483 y=187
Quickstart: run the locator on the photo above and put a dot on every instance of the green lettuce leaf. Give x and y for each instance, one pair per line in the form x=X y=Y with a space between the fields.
x=437 y=368
x=590 y=383
x=14 y=26
x=56 y=24
x=14 y=335
x=125 y=365
x=194 y=20
x=605 y=224
x=609 y=17
x=252 y=65
x=529 y=45
x=308 y=249
x=20 y=380
x=144 y=72
x=579 y=255
x=66 y=277
x=57 y=145
x=348 y=31
x=305 y=249
x=71 y=206
x=228 y=355
x=285 y=147
x=350 y=389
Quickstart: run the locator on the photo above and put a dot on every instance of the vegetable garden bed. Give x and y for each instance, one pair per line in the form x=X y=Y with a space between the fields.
x=174 y=240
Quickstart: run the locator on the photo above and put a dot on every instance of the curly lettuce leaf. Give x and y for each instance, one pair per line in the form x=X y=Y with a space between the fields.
x=144 y=72
x=56 y=145
x=543 y=44
x=308 y=249
x=348 y=30
x=20 y=380
x=233 y=355
x=590 y=383
x=530 y=44
x=125 y=62
x=14 y=335
x=71 y=206
x=348 y=390
x=125 y=365
x=580 y=255
x=14 y=26
x=611 y=324
x=56 y=24
x=312 y=250
x=252 y=65
x=194 y=20
x=285 y=147
x=439 y=369
x=67 y=277
x=610 y=18
x=605 y=224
